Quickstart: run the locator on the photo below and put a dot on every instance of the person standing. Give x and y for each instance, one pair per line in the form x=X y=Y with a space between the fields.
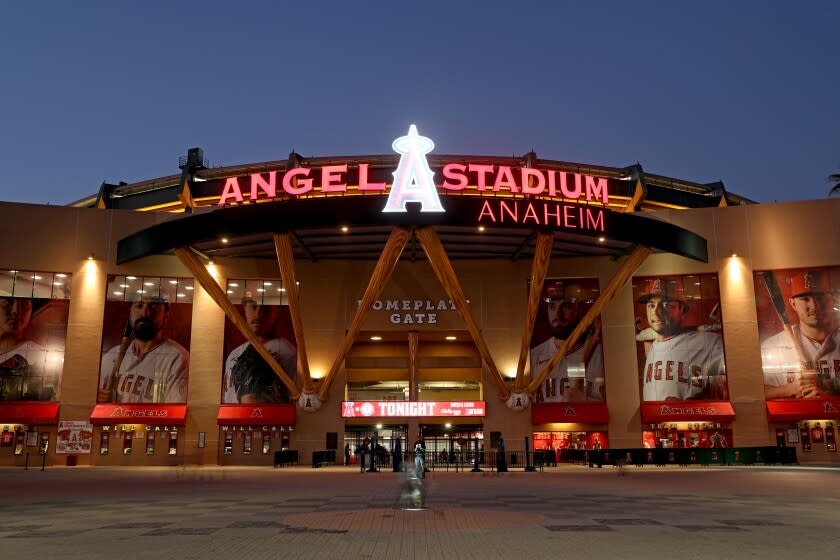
x=248 y=379
x=682 y=363
x=579 y=376
x=146 y=367
x=786 y=372
x=420 y=458
x=25 y=370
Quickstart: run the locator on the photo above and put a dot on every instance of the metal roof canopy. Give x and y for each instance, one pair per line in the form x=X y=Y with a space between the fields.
x=316 y=223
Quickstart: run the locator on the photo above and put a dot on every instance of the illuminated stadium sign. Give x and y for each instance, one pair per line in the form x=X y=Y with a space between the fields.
x=415 y=181
x=412 y=409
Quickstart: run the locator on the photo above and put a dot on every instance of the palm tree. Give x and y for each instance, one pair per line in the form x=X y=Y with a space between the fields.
x=834 y=178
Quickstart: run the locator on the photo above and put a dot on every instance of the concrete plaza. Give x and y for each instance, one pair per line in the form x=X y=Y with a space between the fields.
x=569 y=511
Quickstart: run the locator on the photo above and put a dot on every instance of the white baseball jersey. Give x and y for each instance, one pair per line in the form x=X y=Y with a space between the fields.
x=780 y=361
x=283 y=351
x=679 y=367
x=569 y=370
x=158 y=376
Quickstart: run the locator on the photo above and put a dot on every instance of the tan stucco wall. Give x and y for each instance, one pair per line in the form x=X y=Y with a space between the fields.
x=764 y=237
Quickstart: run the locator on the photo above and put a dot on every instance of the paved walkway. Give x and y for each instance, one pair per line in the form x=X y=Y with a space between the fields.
x=333 y=512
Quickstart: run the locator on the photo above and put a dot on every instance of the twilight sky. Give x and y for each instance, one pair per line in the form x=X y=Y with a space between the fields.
x=745 y=92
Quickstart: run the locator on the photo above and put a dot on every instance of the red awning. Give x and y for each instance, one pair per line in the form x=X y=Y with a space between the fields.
x=30 y=413
x=804 y=409
x=577 y=412
x=150 y=414
x=257 y=414
x=687 y=411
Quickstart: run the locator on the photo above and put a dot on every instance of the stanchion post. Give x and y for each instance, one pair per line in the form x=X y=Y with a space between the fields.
x=528 y=466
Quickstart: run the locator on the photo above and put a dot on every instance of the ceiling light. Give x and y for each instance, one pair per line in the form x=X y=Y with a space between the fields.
x=451 y=337
x=376 y=338
x=224 y=239
x=344 y=229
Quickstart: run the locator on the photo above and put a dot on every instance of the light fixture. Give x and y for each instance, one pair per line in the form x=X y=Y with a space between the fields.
x=448 y=425
x=211 y=262
x=224 y=239
x=451 y=337
x=480 y=228
x=602 y=239
x=376 y=338
x=344 y=229
x=379 y=426
x=91 y=257
x=732 y=253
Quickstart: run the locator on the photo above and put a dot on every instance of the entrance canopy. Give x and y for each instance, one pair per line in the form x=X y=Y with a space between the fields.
x=355 y=227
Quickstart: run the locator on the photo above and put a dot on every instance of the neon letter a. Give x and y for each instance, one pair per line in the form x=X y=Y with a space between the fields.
x=413 y=180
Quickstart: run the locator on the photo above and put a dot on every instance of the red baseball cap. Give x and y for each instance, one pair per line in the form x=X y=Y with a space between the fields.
x=666 y=288
x=809 y=283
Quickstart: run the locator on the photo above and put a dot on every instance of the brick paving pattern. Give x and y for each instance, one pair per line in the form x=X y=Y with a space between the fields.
x=567 y=512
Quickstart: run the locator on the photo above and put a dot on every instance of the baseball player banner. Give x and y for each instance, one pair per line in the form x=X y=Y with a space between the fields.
x=247 y=377
x=679 y=339
x=146 y=340
x=798 y=322
x=74 y=437
x=580 y=374
x=33 y=332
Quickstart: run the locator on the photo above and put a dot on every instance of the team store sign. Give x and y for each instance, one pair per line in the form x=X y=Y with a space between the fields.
x=414 y=182
x=411 y=409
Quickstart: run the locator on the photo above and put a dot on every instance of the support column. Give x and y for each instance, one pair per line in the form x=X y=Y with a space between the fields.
x=633 y=262
x=413 y=346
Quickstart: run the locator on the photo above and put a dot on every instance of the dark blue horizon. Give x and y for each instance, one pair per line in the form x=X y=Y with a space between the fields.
x=744 y=93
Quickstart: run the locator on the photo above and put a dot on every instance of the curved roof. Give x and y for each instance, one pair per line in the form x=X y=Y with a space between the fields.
x=316 y=218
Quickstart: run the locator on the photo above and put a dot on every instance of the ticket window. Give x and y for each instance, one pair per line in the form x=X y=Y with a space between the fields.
x=104 y=440
x=150 y=443
x=173 y=443
x=228 y=443
x=246 y=444
x=266 y=443
x=127 y=443
x=693 y=439
x=19 y=438
x=830 y=443
x=44 y=445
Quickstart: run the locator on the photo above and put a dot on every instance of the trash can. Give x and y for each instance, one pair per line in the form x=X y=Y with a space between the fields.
x=72 y=460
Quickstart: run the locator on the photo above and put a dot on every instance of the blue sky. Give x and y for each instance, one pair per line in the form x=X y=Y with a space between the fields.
x=743 y=92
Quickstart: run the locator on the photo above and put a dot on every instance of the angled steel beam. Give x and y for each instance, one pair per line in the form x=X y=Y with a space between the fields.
x=190 y=260
x=633 y=262
x=388 y=260
x=539 y=266
x=449 y=280
x=286 y=260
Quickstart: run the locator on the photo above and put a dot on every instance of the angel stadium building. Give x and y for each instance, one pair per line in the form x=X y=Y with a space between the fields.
x=334 y=309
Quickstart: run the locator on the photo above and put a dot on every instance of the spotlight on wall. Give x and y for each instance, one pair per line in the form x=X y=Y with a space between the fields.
x=91 y=257
x=732 y=253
